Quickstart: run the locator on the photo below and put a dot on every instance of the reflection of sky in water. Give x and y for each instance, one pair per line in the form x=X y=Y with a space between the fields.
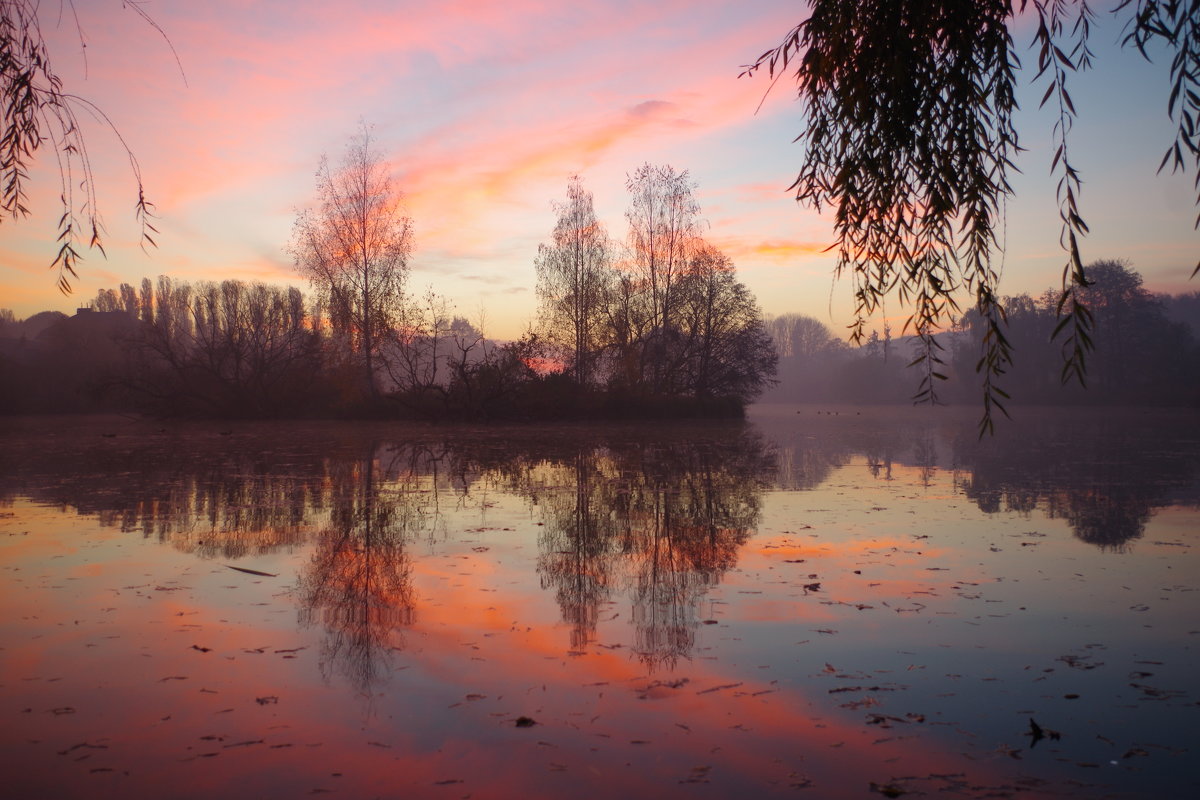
x=674 y=621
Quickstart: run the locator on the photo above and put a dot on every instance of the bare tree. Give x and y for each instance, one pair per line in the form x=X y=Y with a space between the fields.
x=664 y=220
x=228 y=349
x=354 y=248
x=415 y=355
x=800 y=337
x=574 y=274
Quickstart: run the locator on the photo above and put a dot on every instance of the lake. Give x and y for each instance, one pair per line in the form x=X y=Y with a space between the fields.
x=817 y=602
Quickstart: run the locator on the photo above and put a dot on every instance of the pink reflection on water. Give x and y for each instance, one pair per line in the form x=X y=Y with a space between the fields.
x=670 y=633
x=155 y=672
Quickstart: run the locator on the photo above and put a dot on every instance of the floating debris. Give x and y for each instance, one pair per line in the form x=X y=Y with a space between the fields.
x=253 y=571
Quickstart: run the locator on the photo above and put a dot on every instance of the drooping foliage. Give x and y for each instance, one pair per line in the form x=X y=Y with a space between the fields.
x=38 y=111
x=909 y=140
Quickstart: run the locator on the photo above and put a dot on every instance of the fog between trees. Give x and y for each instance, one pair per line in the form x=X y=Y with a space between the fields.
x=1146 y=352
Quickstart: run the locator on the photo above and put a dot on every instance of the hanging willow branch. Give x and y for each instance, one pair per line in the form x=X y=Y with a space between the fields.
x=36 y=110
x=913 y=165
x=1176 y=23
x=909 y=139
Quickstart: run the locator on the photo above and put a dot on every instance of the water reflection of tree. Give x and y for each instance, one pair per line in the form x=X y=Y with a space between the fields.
x=358 y=584
x=205 y=494
x=1104 y=473
x=576 y=546
x=688 y=516
x=811 y=446
x=665 y=519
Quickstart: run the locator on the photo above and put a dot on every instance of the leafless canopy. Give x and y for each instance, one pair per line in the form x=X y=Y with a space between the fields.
x=354 y=248
x=574 y=275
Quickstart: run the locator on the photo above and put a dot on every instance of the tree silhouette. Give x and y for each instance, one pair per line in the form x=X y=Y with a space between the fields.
x=574 y=274
x=354 y=248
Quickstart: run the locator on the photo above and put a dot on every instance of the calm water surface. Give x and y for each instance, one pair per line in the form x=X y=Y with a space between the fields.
x=861 y=604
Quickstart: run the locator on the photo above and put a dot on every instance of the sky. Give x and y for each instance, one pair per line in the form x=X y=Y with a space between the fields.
x=484 y=109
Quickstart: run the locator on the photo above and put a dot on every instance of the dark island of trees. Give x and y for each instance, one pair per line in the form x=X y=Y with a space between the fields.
x=658 y=327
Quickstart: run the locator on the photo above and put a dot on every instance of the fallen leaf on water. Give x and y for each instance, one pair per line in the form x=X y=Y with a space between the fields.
x=253 y=571
x=883 y=720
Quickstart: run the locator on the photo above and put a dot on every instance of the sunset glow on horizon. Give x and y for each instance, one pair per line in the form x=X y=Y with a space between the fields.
x=483 y=111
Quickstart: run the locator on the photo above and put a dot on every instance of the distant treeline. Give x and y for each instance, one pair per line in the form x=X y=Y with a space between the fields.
x=234 y=349
x=1146 y=352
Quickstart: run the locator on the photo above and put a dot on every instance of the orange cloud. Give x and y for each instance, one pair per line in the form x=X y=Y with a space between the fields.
x=784 y=252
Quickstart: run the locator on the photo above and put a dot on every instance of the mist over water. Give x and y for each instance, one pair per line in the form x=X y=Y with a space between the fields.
x=824 y=598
